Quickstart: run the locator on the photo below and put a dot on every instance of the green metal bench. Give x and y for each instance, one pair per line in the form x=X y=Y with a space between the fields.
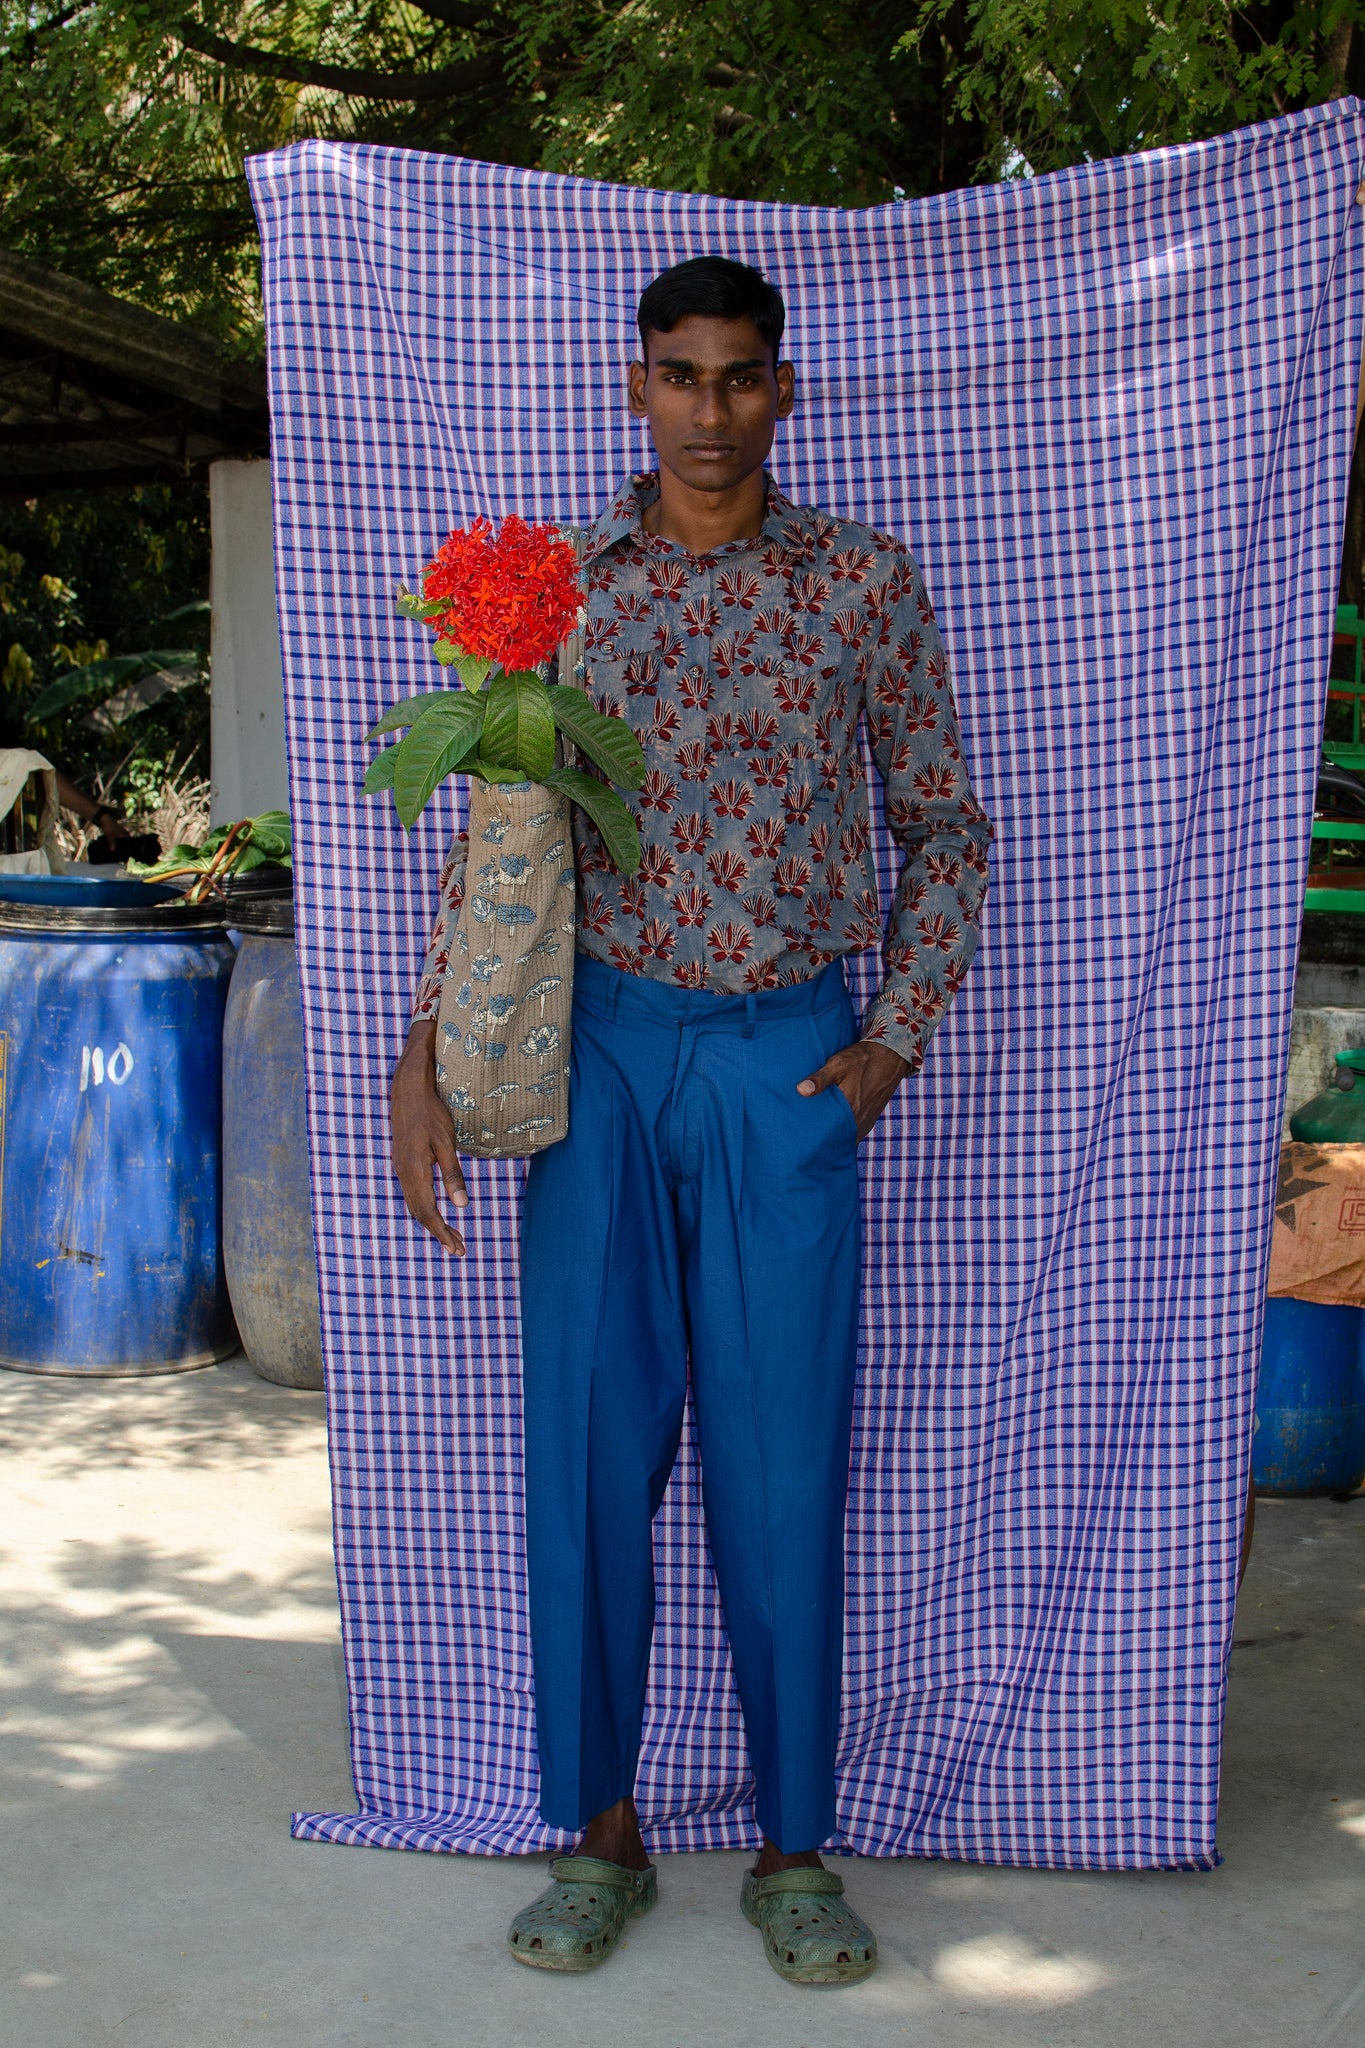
x=1344 y=744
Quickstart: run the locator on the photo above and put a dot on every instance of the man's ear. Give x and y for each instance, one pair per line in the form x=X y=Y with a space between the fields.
x=635 y=390
x=785 y=374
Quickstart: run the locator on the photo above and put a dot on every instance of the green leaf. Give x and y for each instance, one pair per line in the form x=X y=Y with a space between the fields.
x=437 y=744
x=272 y=837
x=268 y=843
x=447 y=654
x=178 y=857
x=198 y=607
x=105 y=676
x=412 y=606
x=519 y=731
x=608 y=742
x=406 y=711
x=379 y=775
x=607 y=810
x=473 y=670
x=492 y=771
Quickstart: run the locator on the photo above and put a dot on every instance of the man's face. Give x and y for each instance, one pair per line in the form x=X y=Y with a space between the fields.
x=712 y=397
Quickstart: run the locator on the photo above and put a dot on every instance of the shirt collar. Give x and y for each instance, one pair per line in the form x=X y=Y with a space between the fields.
x=784 y=523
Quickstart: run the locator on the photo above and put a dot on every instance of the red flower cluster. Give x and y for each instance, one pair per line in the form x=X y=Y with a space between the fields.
x=510 y=598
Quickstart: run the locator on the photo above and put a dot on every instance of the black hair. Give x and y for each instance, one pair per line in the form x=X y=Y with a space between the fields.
x=716 y=288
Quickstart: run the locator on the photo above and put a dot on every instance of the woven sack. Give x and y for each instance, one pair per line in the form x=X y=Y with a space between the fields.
x=502 y=1034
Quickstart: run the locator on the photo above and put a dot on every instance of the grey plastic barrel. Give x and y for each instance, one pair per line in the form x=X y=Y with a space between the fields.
x=267 y=1207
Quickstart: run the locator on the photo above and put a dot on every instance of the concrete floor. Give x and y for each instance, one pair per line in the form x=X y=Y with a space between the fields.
x=172 y=1687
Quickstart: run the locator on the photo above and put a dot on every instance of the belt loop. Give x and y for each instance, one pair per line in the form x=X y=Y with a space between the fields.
x=750 y=1015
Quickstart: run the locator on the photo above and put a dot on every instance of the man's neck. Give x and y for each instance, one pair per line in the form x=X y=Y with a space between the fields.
x=702 y=521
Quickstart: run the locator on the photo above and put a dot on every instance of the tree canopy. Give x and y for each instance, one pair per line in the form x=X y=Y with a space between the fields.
x=124 y=123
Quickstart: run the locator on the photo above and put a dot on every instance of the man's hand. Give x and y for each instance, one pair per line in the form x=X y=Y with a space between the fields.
x=424 y=1137
x=868 y=1074
x=112 y=823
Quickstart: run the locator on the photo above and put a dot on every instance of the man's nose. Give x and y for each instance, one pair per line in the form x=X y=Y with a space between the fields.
x=712 y=409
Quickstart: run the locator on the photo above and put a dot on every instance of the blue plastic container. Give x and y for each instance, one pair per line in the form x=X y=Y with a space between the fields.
x=103 y=892
x=1310 y=1403
x=111 y=1023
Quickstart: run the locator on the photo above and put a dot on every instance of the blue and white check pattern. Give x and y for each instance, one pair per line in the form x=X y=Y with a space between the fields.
x=1111 y=413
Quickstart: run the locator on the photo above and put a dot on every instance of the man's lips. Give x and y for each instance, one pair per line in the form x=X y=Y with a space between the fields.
x=712 y=448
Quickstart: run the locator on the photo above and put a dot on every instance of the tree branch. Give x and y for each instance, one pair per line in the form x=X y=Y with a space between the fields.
x=32 y=36
x=454 y=13
x=362 y=85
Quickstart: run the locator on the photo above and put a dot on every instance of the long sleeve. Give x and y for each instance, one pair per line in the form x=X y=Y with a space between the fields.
x=427 y=1000
x=934 y=817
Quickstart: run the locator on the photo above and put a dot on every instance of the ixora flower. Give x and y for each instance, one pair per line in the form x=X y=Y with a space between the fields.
x=498 y=605
x=509 y=600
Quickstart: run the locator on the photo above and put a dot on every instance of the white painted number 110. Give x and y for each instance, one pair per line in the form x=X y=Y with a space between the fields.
x=96 y=1069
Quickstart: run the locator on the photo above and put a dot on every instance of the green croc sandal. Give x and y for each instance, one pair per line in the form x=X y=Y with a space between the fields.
x=577 y=1923
x=810 y=1935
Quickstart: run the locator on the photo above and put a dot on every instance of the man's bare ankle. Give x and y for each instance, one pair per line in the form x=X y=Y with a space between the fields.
x=614 y=1837
x=772 y=1859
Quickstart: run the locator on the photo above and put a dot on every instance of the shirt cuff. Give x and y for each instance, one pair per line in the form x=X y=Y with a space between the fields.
x=887 y=1021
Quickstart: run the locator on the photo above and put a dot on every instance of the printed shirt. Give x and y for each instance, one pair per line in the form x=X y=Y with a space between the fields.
x=744 y=672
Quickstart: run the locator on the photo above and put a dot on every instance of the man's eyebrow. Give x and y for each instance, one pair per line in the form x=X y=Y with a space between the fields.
x=727 y=370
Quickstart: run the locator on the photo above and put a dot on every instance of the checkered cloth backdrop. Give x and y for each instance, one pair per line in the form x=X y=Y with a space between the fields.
x=1111 y=412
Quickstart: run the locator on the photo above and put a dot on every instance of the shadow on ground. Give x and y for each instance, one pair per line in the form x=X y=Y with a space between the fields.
x=171 y=1689
x=222 y=1416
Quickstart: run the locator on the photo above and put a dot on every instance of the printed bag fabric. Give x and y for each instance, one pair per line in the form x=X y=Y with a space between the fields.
x=502 y=1033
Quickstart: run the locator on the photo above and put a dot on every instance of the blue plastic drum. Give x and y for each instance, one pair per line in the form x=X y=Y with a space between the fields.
x=1310 y=1405
x=111 y=1021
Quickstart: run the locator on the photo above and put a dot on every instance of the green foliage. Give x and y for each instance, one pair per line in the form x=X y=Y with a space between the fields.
x=1047 y=83
x=778 y=99
x=438 y=743
x=381 y=771
x=512 y=725
x=620 y=835
x=406 y=712
x=492 y=771
x=608 y=742
x=235 y=849
x=504 y=731
x=519 y=726
x=122 y=144
x=124 y=123
x=472 y=669
x=104 y=676
x=89 y=584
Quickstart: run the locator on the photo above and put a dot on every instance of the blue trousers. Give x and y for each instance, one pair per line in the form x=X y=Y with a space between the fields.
x=700 y=1213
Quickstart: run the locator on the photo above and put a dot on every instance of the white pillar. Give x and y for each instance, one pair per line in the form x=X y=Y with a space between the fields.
x=246 y=720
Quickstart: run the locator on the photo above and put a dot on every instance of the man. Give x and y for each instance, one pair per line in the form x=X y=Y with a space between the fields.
x=701 y=1219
